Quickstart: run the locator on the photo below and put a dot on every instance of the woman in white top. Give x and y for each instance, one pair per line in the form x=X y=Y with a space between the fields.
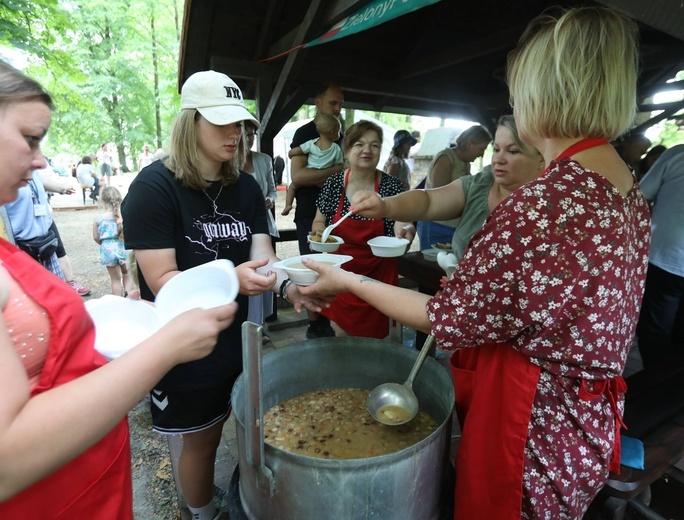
x=87 y=176
x=447 y=166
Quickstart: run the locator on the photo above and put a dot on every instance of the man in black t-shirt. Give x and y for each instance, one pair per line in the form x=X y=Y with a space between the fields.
x=328 y=100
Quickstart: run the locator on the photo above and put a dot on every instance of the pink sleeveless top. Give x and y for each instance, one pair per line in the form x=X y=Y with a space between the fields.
x=28 y=327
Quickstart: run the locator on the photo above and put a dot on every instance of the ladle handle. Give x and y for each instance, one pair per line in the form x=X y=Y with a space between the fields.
x=419 y=362
x=329 y=229
x=254 y=414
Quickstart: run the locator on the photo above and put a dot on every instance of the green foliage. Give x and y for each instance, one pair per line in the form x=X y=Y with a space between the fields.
x=671 y=135
x=96 y=58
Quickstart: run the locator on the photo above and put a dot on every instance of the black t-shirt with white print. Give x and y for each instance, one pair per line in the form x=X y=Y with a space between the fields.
x=201 y=226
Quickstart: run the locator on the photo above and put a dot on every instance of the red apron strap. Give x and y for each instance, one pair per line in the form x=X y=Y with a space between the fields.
x=580 y=146
x=612 y=389
x=491 y=457
x=352 y=314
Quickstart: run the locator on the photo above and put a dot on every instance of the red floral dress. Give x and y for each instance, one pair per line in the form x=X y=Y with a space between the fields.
x=557 y=272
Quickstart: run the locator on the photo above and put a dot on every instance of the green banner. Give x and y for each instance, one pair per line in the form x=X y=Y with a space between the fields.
x=375 y=13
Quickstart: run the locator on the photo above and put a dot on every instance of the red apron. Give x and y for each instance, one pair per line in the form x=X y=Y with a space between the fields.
x=97 y=484
x=352 y=314
x=495 y=388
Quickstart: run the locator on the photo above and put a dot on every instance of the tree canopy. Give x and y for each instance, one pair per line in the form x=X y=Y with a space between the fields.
x=110 y=66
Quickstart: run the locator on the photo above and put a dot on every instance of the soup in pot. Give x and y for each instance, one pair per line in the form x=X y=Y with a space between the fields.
x=335 y=424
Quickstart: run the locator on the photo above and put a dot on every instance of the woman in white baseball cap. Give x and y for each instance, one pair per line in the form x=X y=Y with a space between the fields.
x=193 y=207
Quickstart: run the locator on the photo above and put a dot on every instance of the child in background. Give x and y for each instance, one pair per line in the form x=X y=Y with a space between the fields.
x=107 y=229
x=321 y=153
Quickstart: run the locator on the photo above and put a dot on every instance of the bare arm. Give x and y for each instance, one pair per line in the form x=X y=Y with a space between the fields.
x=297 y=150
x=442 y=203
x=318 y=223
x=96 y=235
x=405 y=230
x=54 y=185
x=304 y=176
x=158 y=266
x=404 y=305
x=440 y=173
x=40 y=434
x=263 y=254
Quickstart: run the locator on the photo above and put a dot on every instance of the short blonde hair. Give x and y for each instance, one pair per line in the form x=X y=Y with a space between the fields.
x=184 y=159
x=575 y=75
x=326 y=123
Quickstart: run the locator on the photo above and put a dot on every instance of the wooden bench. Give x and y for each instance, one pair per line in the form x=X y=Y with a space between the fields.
x=654 y=414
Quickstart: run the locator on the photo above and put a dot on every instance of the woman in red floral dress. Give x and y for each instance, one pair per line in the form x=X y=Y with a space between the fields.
x=549 y=289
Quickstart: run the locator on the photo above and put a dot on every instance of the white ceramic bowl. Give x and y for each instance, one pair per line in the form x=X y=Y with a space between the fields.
x=302 y=275
x=120 y=323
x=430 y=254
x=388 y=246
x=327 y=247
x=205 y=286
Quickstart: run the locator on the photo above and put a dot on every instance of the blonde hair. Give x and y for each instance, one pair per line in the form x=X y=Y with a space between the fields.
x=110 y=199
x=575 y=75
x=508 y=122
x=184 y=159
x=326 y=123
x=476 y=134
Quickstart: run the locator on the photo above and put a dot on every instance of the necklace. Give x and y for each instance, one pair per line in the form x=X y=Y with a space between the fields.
x=213 y=201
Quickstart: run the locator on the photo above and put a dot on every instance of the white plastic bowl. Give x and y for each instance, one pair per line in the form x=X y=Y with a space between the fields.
x=430 y=254
x=327 y=247
x=205 y=286
x=120 y=323
x=302 y=275
x=388 y=246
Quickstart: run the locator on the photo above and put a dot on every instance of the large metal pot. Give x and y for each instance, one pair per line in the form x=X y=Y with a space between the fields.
x=279 y=485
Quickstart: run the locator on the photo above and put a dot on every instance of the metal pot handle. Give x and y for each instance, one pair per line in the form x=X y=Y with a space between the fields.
x=254 y=416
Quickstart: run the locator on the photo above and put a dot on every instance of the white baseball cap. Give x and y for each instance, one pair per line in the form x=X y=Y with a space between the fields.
x=216 y=97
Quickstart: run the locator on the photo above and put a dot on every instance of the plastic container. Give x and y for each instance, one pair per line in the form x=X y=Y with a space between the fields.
x=327 y=247
x=388 y=246
x=430 y=254
x=408 y=336
x=121 y=324
x=302 y=275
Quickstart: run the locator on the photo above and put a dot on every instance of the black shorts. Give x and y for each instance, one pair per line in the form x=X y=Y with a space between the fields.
x=189 y=411
x=303 y=228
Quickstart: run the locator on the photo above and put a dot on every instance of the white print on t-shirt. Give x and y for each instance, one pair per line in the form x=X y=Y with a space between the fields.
x=218 y=231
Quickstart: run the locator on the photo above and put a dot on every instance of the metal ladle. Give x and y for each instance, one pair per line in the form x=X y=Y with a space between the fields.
x=394 y=404
x=328 y=230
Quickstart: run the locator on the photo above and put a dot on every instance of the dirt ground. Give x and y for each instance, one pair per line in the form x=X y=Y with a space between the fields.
x=153 y=483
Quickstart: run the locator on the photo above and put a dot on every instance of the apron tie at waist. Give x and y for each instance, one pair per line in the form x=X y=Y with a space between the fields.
x=611 y=388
